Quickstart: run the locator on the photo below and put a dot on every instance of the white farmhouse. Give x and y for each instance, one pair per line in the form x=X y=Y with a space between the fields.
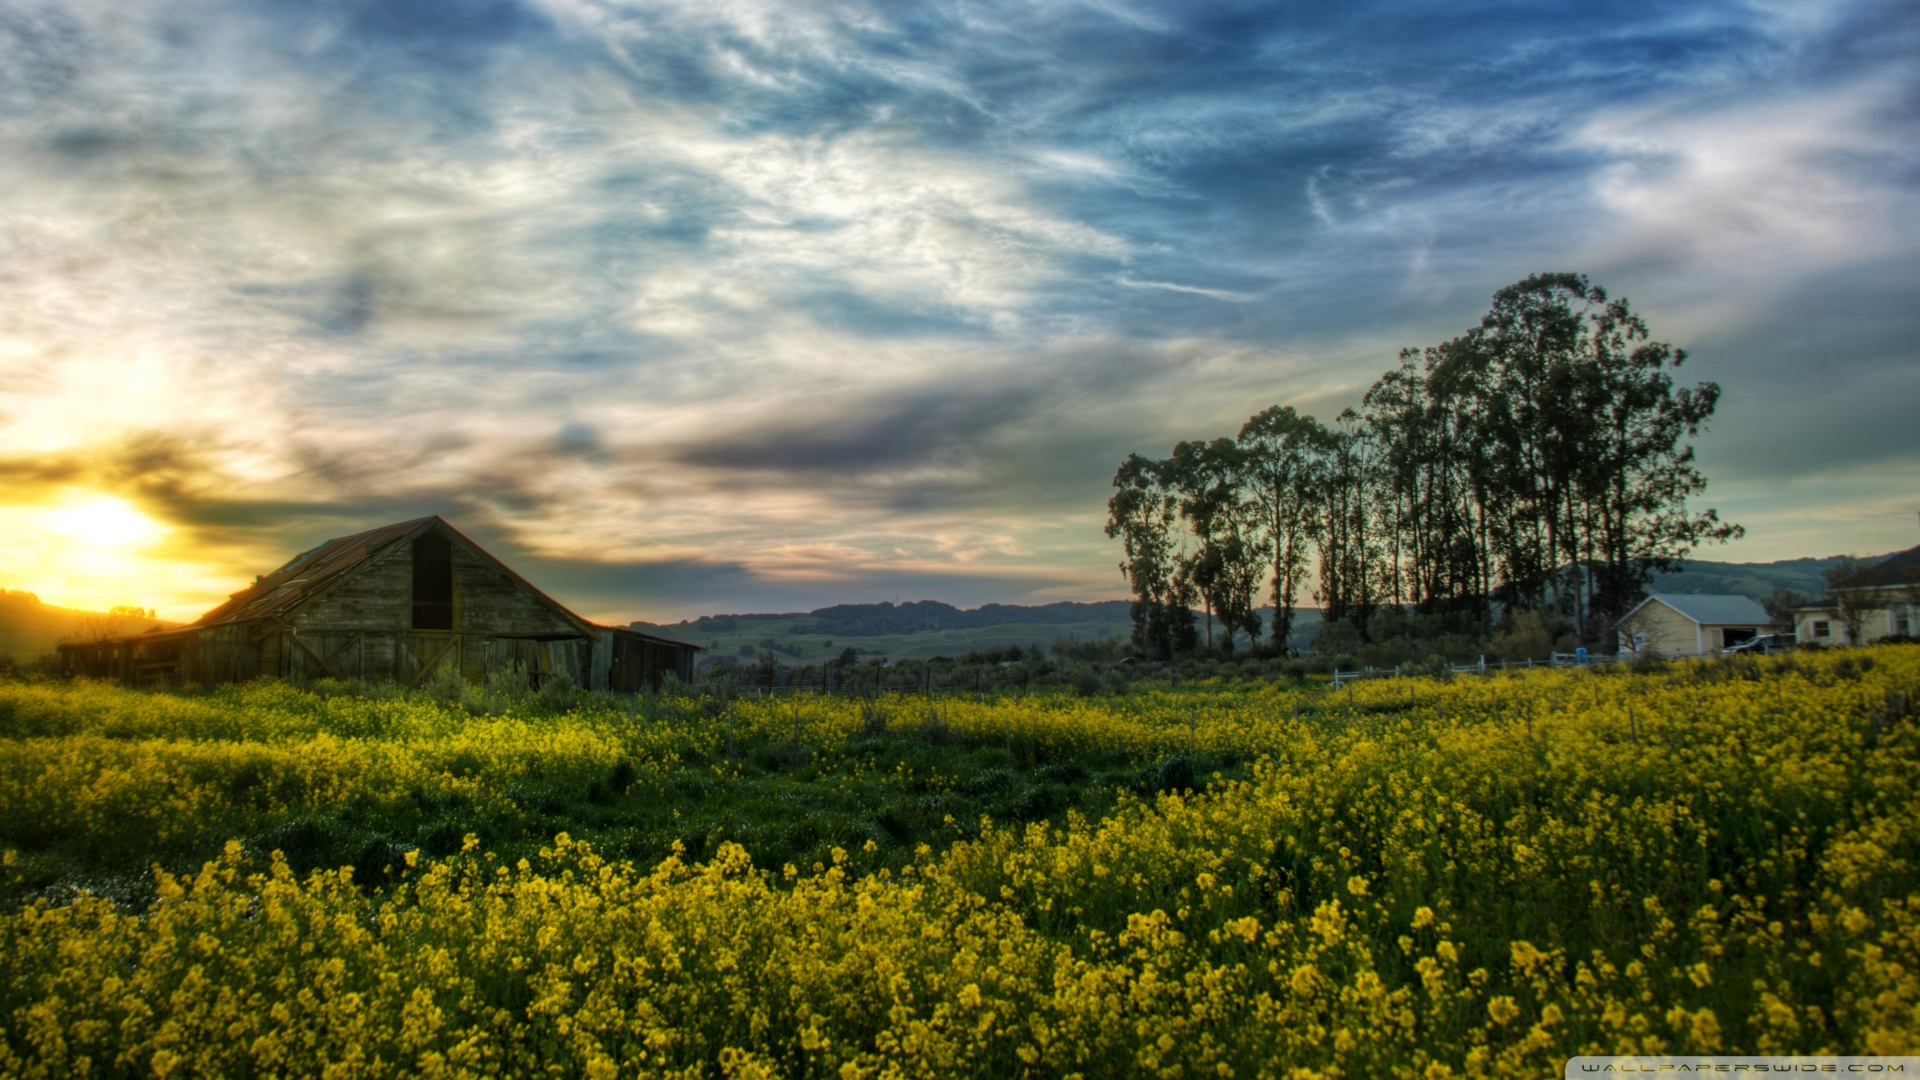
x=1882 y=601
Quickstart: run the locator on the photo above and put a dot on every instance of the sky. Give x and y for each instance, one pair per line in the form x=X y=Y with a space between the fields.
x=730 y=305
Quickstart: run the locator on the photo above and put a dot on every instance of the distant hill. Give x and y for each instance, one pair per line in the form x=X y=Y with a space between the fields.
x=30 y=629
x=928 y=628
x=914 y=631
x=917 y=630
x=1756 y=580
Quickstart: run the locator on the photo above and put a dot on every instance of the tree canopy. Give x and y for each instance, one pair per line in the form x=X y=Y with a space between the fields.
x=1540 y=461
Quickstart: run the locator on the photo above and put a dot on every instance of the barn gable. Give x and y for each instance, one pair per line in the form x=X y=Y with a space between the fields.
x=401 y=602
x=432 y=578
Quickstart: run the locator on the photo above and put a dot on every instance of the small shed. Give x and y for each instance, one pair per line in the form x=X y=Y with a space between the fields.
x=399 y=603
x=1676 y=624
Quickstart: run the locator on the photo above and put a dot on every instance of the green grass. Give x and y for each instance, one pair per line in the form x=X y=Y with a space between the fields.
x=877 y=793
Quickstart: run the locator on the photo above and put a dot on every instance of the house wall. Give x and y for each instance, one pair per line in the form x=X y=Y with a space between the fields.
x=1882 y=621
x=1668 y=632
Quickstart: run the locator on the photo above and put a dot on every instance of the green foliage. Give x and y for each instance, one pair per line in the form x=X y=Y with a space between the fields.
x=1538 y=461
x=346 y=773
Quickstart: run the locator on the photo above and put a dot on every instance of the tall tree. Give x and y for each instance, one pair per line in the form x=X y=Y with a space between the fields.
x=1144 y=515
x=1580 y=427
x=1344 y=536
x=1636 y=474
x=1227 y=565
x=1285 y=473
x=1539 y=461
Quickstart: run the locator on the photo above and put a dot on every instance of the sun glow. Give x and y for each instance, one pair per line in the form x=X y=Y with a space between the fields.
x=92 y=551
x=104 y=522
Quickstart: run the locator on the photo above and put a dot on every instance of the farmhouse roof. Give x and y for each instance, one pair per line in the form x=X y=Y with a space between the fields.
x=1708 y=609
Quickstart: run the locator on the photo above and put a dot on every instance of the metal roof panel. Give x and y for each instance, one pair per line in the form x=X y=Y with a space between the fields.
x=1716 y=610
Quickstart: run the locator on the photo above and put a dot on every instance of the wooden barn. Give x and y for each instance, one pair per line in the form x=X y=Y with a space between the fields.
x=402 y=602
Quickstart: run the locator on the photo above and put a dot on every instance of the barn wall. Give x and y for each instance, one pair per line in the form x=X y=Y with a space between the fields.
x=488 y=602
x=485 y=601
x=640 y=663
x=378 y=598
x=363 y=628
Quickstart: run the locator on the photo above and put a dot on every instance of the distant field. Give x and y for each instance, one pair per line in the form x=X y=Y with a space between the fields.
x=792 y=644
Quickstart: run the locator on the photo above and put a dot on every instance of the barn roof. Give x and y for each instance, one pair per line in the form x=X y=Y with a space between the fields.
x=312 y=572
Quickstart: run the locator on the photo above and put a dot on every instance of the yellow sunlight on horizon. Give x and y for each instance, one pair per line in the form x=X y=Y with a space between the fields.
x=94 y=551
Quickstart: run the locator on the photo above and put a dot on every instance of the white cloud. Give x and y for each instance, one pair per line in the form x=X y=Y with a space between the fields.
x=1727 y=199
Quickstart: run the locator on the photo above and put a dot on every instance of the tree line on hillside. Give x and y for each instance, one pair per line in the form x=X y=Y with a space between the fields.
x=1536 y=463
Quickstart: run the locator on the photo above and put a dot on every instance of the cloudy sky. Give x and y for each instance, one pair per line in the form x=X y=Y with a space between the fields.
x=734 y=305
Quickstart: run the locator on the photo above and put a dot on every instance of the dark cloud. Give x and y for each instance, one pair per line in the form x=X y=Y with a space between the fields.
x=879 y=435
x=452 y=36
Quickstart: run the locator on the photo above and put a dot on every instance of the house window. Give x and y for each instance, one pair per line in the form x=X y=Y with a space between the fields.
x=1903 y=622
x=1822 y=628
x=433 y=583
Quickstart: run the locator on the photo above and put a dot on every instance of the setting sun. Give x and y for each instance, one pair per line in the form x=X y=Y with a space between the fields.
x=105 y=522
x=92 y=551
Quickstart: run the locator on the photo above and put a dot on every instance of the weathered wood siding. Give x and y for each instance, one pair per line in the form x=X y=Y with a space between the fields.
x=363 y=628
x=377 y=598
x=486 y=601
x=640 y=663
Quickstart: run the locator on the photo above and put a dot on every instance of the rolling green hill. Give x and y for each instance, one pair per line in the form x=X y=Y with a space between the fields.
x=912 y=631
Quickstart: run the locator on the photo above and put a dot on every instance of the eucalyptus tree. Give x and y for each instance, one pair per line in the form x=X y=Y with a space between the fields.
x=1541 y=460
x=1144 y=515
x=1432 y=503
x=1227 y=565
x=1519 y=366
x=1634 y=473
x=1285 y=471
x=1345 y=537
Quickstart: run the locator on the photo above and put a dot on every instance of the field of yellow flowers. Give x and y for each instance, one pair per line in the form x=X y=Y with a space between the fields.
x=1406 y=878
